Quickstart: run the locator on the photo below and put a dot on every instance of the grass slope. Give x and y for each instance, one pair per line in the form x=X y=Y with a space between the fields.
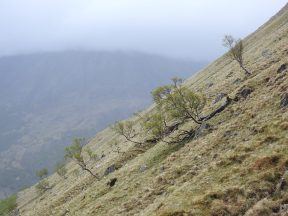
x=233 y=169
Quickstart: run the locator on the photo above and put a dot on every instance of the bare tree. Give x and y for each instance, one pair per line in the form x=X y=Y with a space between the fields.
x=235 y=51
x=125 y=128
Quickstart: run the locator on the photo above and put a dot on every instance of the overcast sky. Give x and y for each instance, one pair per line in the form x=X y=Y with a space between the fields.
x=179 y=28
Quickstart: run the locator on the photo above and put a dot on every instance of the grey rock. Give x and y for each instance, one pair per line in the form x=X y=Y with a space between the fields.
x=284 y=100
x=267 y=54
x=203 y=130
x=110 y=169
x=244 y=92
x=282 y=68
x=237 y=81
x=143 y=168
x=229 y=133
x=218 y=97
x=284 y=209
x=209 y=85
x=162 y=168
x=283 y=183
x=15 y=212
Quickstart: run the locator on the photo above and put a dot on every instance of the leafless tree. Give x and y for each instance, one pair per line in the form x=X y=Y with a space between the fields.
x=235 y=51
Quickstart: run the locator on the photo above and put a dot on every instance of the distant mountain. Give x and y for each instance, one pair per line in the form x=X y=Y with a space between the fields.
x=46 y=99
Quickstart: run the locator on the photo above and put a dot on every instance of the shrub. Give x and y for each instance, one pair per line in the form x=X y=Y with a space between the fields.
x=7 y=205
x=41 y=174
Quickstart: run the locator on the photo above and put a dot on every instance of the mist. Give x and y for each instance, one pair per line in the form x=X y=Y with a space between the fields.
x=182 y=28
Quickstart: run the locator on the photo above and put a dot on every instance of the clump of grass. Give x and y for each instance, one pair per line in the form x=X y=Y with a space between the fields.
x=43 y=186
x=284 y=126
x=271 y=176
x=270 y=139
x=266 y=162
x=233 y=159
x=7 y=205
x=230 y=201
x=260 y=208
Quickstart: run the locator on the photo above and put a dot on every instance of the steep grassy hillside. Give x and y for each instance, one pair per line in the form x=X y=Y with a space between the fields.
x=48 y=98
x=236 y=166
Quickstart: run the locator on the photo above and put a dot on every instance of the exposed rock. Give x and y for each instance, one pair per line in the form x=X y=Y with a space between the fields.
x=283 y=183
x=112 y=182
x=280 y=78
x=226 y=103
x=218 y=97
x=283 y=209
x=15 y=212
x=209 y=85
x=237 y=81
x=64 y=212
x=110 y=169
x=202 y=130
x=284 y=100
x=244 y=92
x=229 y=134
x=282 y=68
x=267 y=54
x=143 y=168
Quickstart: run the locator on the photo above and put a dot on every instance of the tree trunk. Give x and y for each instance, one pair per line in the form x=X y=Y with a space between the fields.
x=248 y=73
x=88 y=170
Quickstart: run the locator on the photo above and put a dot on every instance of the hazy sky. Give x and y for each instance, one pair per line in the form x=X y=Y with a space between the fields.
x=180 y=28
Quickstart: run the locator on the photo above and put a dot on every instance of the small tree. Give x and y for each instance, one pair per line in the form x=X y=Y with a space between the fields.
x=43 y=184
x=61 y=170
x=41 y=174
x=126 y=129
x=235 y=51
x=178 y=101
x=74 y=152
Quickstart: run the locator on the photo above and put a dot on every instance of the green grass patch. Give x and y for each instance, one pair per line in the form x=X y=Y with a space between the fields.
x=7 y=205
